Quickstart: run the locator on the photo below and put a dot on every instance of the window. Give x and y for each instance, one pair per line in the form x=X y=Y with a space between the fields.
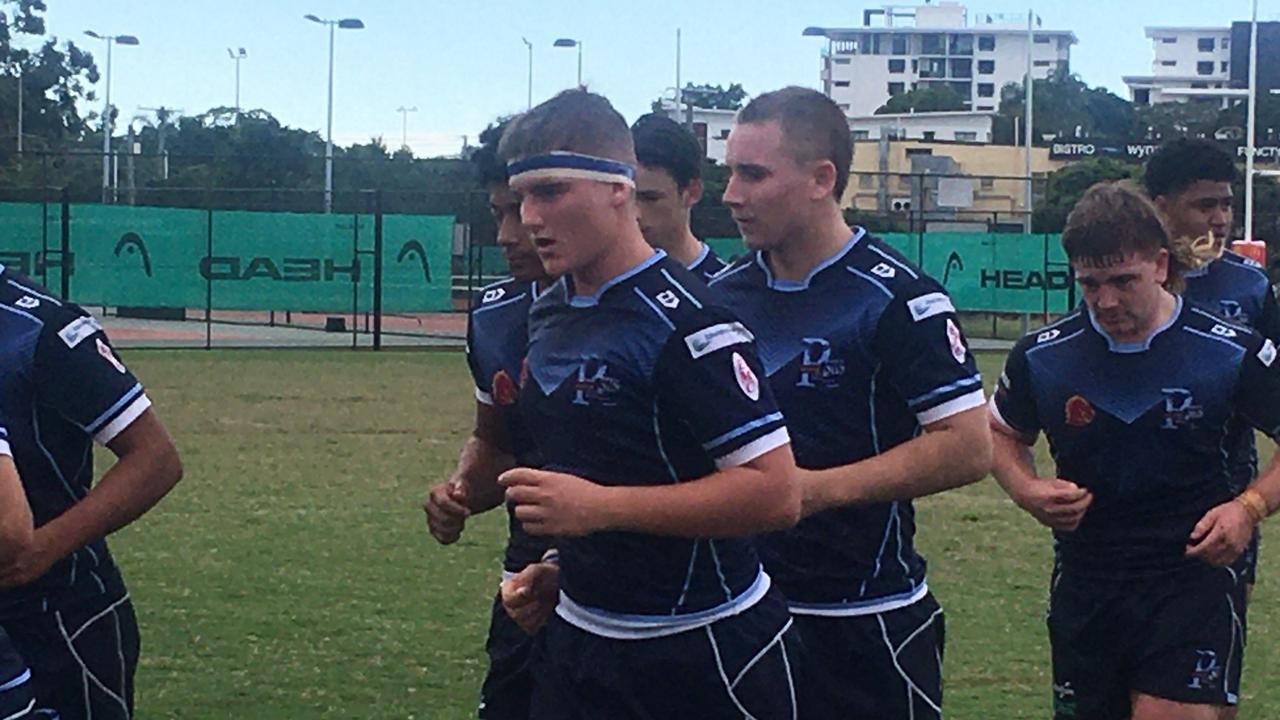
x=844 y=106
x=961 y=68
x=911 y=152
x=929 y=135
x=1169 y=40
x=966 y=136
x=897 y=66
x=1042 y=39
x=961 y=44
x=899 y=45
x=987 y=42
x=1205 y=44
x=1226 y=44
x=866 y=182
x=841 y=61
x=1199 y=86
x=987 y=90
x=1204 y=67
x=724 y=134
x=896 y=88
x=986 y=67
x=987 y=183
x=933 y=68
x=985 y=108
x=933 y=45
x=841 y=83
x=1142 y=96
x=1043 y=63
x=1225 y=65
x=1169 y=63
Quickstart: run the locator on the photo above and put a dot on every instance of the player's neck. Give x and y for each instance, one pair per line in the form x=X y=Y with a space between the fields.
x=1165 y=308
x=794 y=259
x=626 y=252
x=685 y=249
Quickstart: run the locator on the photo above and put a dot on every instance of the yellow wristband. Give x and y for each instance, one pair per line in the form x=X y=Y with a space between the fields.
x=1255 y=504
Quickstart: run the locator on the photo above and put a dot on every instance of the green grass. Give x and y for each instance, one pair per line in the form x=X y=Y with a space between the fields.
x=290 y=574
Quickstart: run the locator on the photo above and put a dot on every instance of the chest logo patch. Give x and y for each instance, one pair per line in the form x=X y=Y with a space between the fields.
x=817 y=367
x=594 y=384
x=1180 y=408
x=747 y=379
x=1079 y=412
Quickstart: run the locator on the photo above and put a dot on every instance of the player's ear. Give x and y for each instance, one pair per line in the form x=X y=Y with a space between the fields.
x=692 y=192
x=1162 y=266
x=823 y=179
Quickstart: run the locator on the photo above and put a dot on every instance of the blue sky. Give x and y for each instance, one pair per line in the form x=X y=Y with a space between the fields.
x=462 y=62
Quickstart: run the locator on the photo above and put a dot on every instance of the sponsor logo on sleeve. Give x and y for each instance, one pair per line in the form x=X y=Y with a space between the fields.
x=883 y=270
x=27 y=302
x=958 y=349
x=105 y=351
x=1267 y=354
x=492 y=295
x=79 y=329
x=716 y=337
x=1048 y=335
x=926 y=306
x=1223 y=331
x=668 y=299
x=747 y=379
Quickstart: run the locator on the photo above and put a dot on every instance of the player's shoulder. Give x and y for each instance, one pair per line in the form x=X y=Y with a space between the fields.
x=739 y=273
x=1236 y=260
x=23 y=295
x=1059 y=334
x=1202 y=321
x=873 y=260
x=673 y=294
x=500 y=294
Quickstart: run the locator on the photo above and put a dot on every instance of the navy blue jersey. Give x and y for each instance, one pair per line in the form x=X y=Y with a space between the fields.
x=707 y=264
x=648 y=383
x=1238 y=289
x=497 y=335
x=1145 y=427
x=861 y=355
x=64 y=388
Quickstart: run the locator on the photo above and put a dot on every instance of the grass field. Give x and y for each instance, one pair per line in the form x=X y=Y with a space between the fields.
x=290 y=574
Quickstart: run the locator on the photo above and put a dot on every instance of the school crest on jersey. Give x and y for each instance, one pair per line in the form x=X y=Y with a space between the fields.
x=594 y=385
x=1079 y=412
x=817 y=367
x=1180 y=408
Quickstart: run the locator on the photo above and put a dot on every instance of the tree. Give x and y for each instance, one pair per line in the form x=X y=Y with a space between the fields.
x=927 y=98
x=1066 y=186
x=712 y=97
x=1065 y=107
x=54 y=78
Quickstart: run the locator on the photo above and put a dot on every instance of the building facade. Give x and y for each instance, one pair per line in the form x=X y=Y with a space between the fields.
x=937 y=44
x=1188 y=63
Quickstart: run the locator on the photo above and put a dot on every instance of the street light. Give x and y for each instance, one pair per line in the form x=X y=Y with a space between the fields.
x=529 y=45
x=237 y=57
x=569 y=42
x=107 y=120
x=404 y=116
x=345 y=24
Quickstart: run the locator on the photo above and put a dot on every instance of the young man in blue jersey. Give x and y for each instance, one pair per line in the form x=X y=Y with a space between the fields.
x=1137 y=393
x=882 y=398
x=65 y=605
x=668 y=185
x=497 y=335
x=662 y=449
x=1190 y=182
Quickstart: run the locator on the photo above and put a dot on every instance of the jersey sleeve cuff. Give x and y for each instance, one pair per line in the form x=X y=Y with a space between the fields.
x=131 y=412
x=994 y=407
x=754 y=449
x=4 y=448
x=483 y=397
x=968 y=401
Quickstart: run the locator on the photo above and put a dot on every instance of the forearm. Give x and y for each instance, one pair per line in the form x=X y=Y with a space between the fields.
x=1013 y=464
x=16 y=530
x=928 y=464
x=479 y=465
x=131 y=487
x=736 y=502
